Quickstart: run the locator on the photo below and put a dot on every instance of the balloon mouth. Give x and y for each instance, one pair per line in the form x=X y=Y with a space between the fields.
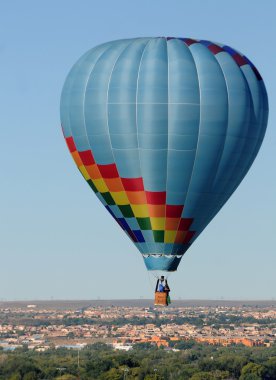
x=159 y=262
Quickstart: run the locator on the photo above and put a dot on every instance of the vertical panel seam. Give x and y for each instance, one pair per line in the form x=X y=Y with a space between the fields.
x=227 y=127
x=168 y=122
x=136 y=113
x=85 y=89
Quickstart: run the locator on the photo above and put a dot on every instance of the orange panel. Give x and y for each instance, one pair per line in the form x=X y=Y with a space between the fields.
x=180 y=236
x=114 y=184
x=157 y=210
x=172 y=224
x=137 y=197
x=93 y=171
x=76 y=158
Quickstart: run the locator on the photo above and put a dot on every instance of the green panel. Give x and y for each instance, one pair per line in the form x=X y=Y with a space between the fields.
x=158 y=236
x=93 y=187
x=108 y=198
x=144 y=223
x=126 y=211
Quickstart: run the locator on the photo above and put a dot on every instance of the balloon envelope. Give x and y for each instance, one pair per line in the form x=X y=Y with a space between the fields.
x=163 y=130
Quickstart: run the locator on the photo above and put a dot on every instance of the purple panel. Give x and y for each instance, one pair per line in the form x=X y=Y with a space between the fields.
x=124 y=224
x=139 y=236
x=229 y=50
x=205 y=42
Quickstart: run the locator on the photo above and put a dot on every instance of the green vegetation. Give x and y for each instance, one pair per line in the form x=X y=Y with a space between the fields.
x=193 y=361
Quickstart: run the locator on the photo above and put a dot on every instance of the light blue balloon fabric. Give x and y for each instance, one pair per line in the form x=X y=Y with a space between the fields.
x=186 y=116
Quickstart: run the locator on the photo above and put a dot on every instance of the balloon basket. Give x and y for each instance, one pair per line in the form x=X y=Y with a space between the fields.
x=160 y=299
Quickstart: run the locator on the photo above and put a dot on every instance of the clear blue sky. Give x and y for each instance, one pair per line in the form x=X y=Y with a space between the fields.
x=53 y=241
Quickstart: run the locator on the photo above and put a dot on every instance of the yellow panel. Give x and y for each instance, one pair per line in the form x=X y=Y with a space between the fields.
x=120 y=198
x=84 y=172
x=140 y=211
x=157 y=223
x=169 y=236
x=100 y=185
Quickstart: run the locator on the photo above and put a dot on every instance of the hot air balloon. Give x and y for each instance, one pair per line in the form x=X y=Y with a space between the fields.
x=163 y=130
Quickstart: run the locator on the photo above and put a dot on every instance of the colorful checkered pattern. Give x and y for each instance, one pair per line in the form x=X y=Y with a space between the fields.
x=148 y=208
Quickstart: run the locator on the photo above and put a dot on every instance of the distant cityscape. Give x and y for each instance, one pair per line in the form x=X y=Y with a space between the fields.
x=39 y=326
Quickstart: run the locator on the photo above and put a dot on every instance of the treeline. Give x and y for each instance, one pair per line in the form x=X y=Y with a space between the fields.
x=218 y=320
x=194 y=361
x=199 y=321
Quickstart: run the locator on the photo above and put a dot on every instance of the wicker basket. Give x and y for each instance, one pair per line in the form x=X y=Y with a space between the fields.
x=160 y=299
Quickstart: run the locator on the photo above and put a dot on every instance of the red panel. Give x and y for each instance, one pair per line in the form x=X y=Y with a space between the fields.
x=189 y=41
x=156 y=197
x=180 y=236
x=188 y=236
x=71 y=145
x=109 y=171
x=173 y=211
x=239 y=59
x=133 y=184
x=185 y=224
x=215 y=49
x=86 y=157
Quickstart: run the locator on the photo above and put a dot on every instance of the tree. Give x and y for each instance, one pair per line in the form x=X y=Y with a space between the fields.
x=270 y=368
x=112 y=374
x=203 y=376
x=70 y=335
x=30 y=376
x=153 y=377
x=15 y=376
x=183 y=344
x=214 y=375
x=232 y=363
x=252 y=371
